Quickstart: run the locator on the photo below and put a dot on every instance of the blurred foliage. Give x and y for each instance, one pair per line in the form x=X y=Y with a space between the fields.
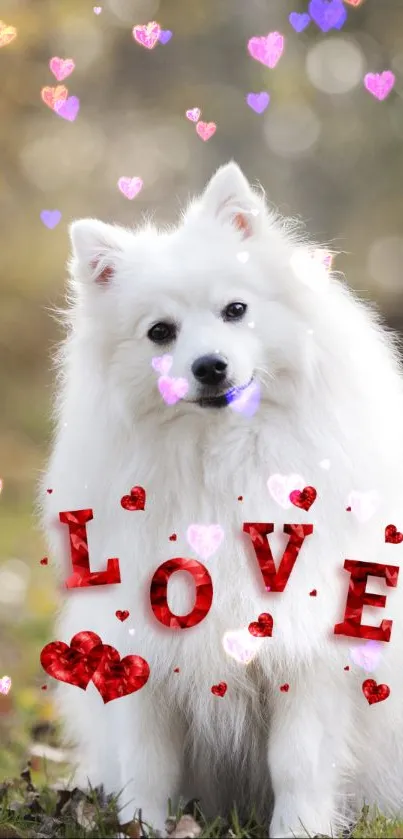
x=346 y=182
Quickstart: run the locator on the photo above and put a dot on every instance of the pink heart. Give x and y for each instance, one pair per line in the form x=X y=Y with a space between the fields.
x=193 y=114
x=172 y=389
x=147 y=35
x=67 y=109
x=268 y=49
x=206 y=130
x=130 y=187
x=363 y=504
x=162 y=363
x=61 y=68
x=241 y=645
x=5 y=684
x=367 y=655
x=205 y=539
x=380 y=84
x=280 y=487
x=97 y=10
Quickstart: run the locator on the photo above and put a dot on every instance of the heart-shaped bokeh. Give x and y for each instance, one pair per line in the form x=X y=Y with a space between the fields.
x=61 y=68
x=258 y=101
x=147 y=35
x=130 y=187
x=68 y=109
x=241 y=645
x=52 y=95
x=5 y=685
x=172 y=389
x=193 y=114
x=7 y=34
x=281 y=487
x=206 y=130
x=299 y=22
x=162 y=364
x=328 y=14
x=205 y=539
x=267 y=49
x=165 y=36
x=380 y=84
x=51 y=218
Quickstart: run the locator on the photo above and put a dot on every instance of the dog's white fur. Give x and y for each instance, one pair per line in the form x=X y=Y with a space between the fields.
x=331 y=389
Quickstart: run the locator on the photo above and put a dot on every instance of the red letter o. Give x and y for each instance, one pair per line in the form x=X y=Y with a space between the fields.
x=159 y=590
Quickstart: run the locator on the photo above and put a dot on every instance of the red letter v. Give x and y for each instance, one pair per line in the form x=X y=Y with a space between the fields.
x=273 y=579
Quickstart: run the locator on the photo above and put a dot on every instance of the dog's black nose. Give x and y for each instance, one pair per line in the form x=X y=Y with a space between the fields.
x=210 y=369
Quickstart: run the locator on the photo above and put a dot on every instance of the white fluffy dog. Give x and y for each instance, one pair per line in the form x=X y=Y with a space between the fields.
x=234 y=296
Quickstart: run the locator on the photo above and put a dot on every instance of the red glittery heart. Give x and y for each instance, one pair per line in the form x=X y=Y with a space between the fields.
x=122 y=615
x=114 y=677
x=313 y=593
x=347 y=667
x=263 y=627
x=393 y=535
x=49 y=491
x=240 y=497
x=284 y=688
x=220 y=689
x=74 y=664
x=348 y=509
x=44 y=687
x=176 y=669
x=136 y=500
x=172 y=538
x=303 y=498
x=44 y=561
x=374 y=692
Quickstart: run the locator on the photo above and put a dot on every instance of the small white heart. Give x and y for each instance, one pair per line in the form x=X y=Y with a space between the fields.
x=242 y=256
x=131 y=631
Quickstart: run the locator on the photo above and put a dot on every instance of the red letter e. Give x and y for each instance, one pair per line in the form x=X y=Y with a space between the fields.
x=358 y=597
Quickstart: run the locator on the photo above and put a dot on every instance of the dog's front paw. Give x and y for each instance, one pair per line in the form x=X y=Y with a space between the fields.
x=292 y=825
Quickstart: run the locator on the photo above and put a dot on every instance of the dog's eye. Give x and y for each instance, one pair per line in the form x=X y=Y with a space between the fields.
x=234 y=311
x=162 y=333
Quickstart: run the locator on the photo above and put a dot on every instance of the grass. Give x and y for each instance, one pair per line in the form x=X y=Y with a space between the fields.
x=28 y=811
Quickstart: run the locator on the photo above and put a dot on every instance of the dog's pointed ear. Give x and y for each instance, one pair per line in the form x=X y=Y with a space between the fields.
x=95 y=247
x=230 y=198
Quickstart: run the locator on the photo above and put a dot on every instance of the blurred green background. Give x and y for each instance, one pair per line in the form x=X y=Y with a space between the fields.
x=324 y=149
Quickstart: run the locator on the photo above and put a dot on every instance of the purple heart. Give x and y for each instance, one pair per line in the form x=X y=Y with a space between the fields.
x=258 y=101
x=51 y=218
x=328 y=14
x=245 y=400
x=165 y=36
x=68 y=109
x=299 y=22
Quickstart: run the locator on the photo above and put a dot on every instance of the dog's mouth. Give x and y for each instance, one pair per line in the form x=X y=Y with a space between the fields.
x=222 y=400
